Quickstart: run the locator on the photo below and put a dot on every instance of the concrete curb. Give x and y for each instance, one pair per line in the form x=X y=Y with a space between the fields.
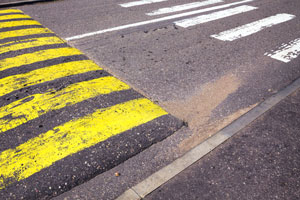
x=15 y=3
x=160 y=177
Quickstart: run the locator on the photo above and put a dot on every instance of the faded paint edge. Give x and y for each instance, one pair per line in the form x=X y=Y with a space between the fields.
x=182 y=7
x=254 y=27
x=286 y=52
x=185 y=23
x=117 y=28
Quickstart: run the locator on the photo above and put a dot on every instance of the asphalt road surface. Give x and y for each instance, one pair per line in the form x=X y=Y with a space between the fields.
x=64 y=119
x=205 y=63
x=203 y=80
x=259 y=162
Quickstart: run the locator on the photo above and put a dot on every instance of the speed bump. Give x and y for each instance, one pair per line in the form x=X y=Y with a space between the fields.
x=63 y=119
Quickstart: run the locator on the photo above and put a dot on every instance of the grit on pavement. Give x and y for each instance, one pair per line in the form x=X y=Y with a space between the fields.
x=260 y=162
x=206 y=63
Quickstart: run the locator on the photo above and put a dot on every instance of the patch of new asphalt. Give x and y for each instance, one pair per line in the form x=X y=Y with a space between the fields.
x=262 y=161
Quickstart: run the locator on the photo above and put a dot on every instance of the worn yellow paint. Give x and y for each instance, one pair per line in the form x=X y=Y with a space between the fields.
x=43 y=55
x=10 y=11
x=16 y=16
x=69 y=138
x=29 y=43
x=72 y=137
x=23 y=32
x=18 y=23
x=23 y=110
x=19 y=81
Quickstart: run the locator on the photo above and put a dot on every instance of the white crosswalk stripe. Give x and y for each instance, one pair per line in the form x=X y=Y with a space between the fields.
x=183 y=7
x=286 y=52
x=138 y=3
x=213 y=16
x=254 y=27
x=166 y=18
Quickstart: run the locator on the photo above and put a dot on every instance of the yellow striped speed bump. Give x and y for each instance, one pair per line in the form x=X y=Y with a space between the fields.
x=20 y=112
x=10 y=11
x=14 y=16
x=63 y=119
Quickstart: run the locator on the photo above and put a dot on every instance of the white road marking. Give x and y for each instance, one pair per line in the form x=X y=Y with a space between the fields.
x=286 y=52
x=183 y=7
x=253 y=27
x=213 y=16
x=155 y=20
x=138 y=3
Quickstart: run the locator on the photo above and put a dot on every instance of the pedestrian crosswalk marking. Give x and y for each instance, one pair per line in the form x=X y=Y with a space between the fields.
x=72 y=137
x=254 y=27
x=183 y=7
x=171 y=17
x=214 y=16
x=140 y=2
x=286 y=52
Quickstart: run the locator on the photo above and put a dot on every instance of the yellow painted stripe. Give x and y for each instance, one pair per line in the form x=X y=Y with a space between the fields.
x=23 y=32
x=16 y=16
x=72 y=137
x=22 y=111
x=19 y=81
x=18 y=23
x=37 y=56
x=10 y=11
x=29 y=43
